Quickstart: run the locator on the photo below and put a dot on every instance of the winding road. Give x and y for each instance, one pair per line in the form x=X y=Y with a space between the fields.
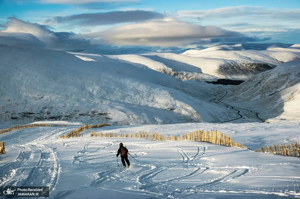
x=242 y=113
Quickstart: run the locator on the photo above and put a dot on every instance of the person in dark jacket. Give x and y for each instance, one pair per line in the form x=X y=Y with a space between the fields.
x=123 y=151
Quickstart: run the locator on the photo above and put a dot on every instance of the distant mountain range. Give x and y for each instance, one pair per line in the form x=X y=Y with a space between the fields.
x=39 y=84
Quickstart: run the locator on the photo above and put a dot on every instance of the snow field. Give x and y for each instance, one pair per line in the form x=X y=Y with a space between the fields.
x=87 y=167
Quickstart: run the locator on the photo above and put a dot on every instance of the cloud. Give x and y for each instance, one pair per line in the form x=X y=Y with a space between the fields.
x=40 y=32
x=261 y=30
x=22 y=33
x=239 y=11
x=115 y=17
x=243 y=39
x=261 y=21
x=2 y=26
x=82 y=1
x=292 y=14
x=166 y=32
x=237 y=24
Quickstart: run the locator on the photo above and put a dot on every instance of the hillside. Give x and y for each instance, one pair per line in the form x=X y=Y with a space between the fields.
x=274 y=93
x=222 y=61
x=38 y=84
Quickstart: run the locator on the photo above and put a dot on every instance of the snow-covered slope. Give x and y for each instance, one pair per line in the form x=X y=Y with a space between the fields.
x=86 y=167
x=180 y=70
x=240 y=61
x=222 y=61
x=39 y=84
x=274 y=93
x=272 y=55
x=236 y=61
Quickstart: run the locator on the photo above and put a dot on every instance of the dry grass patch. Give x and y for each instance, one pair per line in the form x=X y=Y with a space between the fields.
x=2 y=148
x=76 y=132
x=18 y=127
x=214 y=137
x=292 y=150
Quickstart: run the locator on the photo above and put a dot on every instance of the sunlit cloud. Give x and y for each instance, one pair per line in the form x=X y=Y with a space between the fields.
x=40 y=32
x=166 y=32
x=18 y=32
x=271 y=30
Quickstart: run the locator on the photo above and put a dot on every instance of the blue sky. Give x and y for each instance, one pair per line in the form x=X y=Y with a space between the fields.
x=165 y=23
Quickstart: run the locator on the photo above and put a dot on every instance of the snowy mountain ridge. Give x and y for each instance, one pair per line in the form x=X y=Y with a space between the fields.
x=39 y=84
x=223 y=61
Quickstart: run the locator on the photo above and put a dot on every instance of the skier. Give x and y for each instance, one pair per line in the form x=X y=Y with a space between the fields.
x=123 y=151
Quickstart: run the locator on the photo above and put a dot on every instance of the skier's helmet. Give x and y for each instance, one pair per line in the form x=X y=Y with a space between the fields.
x=121 y=144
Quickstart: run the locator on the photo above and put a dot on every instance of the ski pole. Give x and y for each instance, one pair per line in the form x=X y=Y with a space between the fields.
x=117 y=160
x=133 y=157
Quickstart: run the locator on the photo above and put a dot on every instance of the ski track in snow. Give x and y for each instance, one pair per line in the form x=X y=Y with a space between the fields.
x=148 y=183
x=152 y=186
x=8 y=171
x=187 y=174
x=36 y=165
x=45 y=172
x=90 y=153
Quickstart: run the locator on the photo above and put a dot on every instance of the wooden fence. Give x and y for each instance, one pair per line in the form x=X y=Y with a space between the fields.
x=25 y=127
x=2 y=148
x=292 y=150
x=76 y=132
x=214 y=137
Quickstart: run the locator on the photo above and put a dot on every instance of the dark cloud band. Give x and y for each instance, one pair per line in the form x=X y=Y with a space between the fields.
x=91 y=19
